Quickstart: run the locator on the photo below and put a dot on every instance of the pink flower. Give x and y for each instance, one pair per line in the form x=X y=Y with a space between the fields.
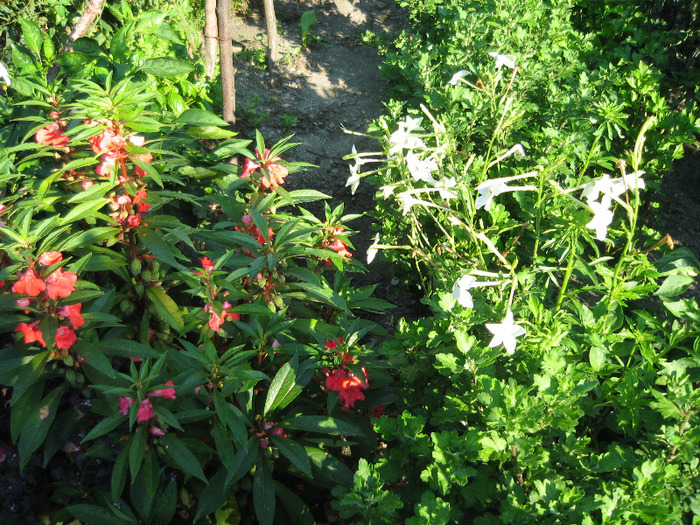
x=72 y=313
x=52 y=135
x=65 y=337
x=348 y=386
x=29 y=284
x=50 y=258
x=125 y=404
x=145 y=411
x=32 y=333
x=155 y=431
x=60 y=284
x=168 y=393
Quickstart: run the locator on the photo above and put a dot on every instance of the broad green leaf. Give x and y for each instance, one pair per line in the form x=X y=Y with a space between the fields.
x=243 y=461
x=74 y=59
x=94 y=515
x=182 y=456
x=264 y=491
x=150 y=21
x=127 y=348
x=166 y=308
x=287 y=385
x=201 y=117
x=136 y=451
x=209 y=132
x=329 y=467
x=87 y=46
x=166 y=67
x=118 y=46
x=166 y=505
x=37 y=425
x=294 y=452
x=321 y=424
x=104 y=426
x=675 y=285
x=119 y=472
x=213 y=496
x=33 y=36
x=160 y=248
x=297 y=510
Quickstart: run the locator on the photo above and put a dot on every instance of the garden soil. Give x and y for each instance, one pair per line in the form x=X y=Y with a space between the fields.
x=333 y=86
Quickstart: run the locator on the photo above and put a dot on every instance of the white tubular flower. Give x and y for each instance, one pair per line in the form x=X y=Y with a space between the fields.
x=592 y=190
x=459 y=75
x=505 y=333
x=353 y=180
x=503 y=60
x=372 y=250
x=491 y=188
x=442 y=186
x=602 y=217
x=421 y=169
x=402 y=139
x=387 y=191
x=628 y=181
x=410 y=124
x=613 y=187
x=460 y=290
x=406 y=200
x=5 y=75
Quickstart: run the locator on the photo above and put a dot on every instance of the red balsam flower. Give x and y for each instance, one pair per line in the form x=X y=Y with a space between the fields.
x=31 y=333
x=60 y=284
x=65 y=338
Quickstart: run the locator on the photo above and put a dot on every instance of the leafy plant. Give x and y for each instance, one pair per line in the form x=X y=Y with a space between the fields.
x=308 y=20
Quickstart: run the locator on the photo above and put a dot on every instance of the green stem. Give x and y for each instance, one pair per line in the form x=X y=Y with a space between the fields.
x=567 y=276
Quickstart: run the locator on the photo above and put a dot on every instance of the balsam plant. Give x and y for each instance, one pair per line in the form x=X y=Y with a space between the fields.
x=179 y=334
x=546 y=386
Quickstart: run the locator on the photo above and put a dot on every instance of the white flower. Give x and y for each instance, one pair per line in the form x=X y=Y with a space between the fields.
x=628 y=181
x=387 y=191
x=372 y=250
x=602 y=217
x=443 y=184
x=402 y=139
x=505 y=333
x=420 y=169
x=592 y=190
x=406 y=200
x=353 y=180
x=460 y=290
x=503 y=60
x=612 y=187
x=491 y=188
x=4 y=75
x=410 y=124
x=459 y=75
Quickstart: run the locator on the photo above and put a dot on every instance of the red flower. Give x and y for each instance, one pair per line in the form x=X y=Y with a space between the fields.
x=65 y=337
x=52 y=135
x=145 y=157
x=168 y=393
x=145 y=411
x=125 y=404
x=332 y=345
x=273 y=173
x=207 y=264
x=61 y=284
x=72 y=313
x=133 y=220
x=29 y=284
x=31 y=333
x=348 y=386
x=50 y=258
x=216 y=320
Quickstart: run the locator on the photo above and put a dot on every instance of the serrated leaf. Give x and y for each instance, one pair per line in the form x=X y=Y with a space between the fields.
x=264 y=491
x=166 y=308
x=200 y=117
x=182 y=456
x=321 y=424
x=166 y=67
x=294 y=452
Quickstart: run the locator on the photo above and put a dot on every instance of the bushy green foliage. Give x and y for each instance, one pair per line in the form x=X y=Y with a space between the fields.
x=556 y=379
x=180 y=337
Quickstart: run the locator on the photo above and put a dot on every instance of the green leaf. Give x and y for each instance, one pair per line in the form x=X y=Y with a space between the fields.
x=243 y=461
x=119 y=472
x=160 y=248
x=104 y=426
x=136 y=451
x=33 y=36
x=182 y=456
x=285 y=387
x=294 y=452
x=675 y=285
x=264 y=491
x=86 y=209
x=597 y=356
x=209 y=132
x=49 y=48
x=201 y=117
x=321 y=424
x=297 y=510
x=166 y=505
x=74 y=59
x=213 y=496
x=87 y=46
x=37 y=425
x=166 y=308
x=150 y=21
x=127 y=348
x=118 y=47
x=166 y=67
x=94 y=515
x=329 y=467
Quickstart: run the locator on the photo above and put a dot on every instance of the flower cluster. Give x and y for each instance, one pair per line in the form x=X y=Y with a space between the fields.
x=332 y=242
x=608 y=189
x=348 y=385
x=43 y=293
x=127 y=209
x=112 y=146
x=216 y=318
x=53 y=134
x=146 y=412
x=272 y=173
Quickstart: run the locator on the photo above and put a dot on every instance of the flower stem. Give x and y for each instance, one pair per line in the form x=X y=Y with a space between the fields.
x=567 y=276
